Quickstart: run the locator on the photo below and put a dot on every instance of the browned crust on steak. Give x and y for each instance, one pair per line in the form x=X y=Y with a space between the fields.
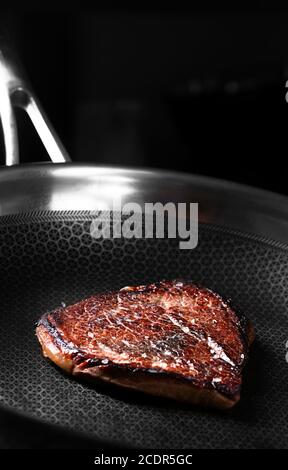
x=175 y=383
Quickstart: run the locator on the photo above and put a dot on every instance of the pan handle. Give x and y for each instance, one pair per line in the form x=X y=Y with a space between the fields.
x=15 y=90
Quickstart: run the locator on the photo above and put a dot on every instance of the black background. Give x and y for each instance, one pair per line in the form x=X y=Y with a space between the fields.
x=196 y=90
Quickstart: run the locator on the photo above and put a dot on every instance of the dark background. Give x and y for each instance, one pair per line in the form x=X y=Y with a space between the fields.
x=187 y=89
x=201 y=91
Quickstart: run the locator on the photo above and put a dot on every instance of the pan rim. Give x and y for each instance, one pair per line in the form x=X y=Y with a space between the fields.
x=219 y=183
x=48 y=186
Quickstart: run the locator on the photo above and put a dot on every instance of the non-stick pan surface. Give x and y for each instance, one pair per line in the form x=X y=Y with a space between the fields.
x=49 y=258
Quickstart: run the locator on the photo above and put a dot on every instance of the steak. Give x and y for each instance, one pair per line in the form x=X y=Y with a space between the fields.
x=172 y=338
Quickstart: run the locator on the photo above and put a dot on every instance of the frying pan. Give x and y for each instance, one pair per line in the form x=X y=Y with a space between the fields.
x=48 y=257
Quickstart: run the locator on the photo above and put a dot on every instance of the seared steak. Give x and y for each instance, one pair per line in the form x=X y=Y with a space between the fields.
x=173 y=338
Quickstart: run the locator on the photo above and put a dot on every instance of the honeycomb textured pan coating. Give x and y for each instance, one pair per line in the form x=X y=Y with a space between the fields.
x=51 y=258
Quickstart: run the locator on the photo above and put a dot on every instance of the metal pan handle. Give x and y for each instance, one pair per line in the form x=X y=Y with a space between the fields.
x=15 y=90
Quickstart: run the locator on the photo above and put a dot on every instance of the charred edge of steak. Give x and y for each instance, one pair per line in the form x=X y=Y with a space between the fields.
x=159 y=384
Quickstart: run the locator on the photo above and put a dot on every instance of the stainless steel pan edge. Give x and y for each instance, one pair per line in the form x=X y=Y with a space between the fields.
x=66 y=187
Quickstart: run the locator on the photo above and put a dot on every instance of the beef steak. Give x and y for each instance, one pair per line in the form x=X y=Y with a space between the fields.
x=172 y=338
